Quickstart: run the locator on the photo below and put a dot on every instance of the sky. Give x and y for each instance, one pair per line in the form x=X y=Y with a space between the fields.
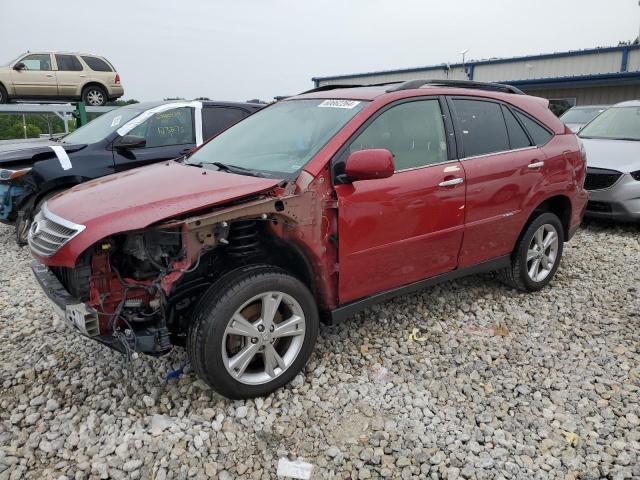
x=244 y=49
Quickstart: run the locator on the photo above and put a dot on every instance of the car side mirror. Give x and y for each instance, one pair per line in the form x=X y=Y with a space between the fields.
x=19 y=66
x=129 y=142
x=369 y=164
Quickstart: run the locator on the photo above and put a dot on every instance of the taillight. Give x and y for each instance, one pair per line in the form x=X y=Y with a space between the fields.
x=117 y=80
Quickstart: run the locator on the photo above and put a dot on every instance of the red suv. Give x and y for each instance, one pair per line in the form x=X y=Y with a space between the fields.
x=318 y=205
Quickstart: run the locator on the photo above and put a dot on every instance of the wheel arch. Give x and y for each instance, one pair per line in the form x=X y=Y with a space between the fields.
x=560 y=205
x=93 y=83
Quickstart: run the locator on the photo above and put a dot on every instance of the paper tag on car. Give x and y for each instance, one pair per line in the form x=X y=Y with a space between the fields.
x=116 y=121
x=339 y=104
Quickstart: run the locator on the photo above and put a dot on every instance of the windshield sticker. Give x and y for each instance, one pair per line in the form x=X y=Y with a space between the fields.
x=116 y=121
x=349 y=104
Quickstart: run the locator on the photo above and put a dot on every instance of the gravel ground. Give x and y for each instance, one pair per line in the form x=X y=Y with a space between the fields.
x=466 y=380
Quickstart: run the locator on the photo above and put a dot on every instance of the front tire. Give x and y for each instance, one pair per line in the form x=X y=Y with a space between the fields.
x=253 y=331
x=537 y=254
x=4 y=97
x=94 y=96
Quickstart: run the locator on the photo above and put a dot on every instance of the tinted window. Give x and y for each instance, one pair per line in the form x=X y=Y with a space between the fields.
x=171 y=127
x=539 y=134
x=413 y=132
x=97 y=64
x=217 y=119
x=482 y=126
x=517 y=136
x=37 y=62
x=68 y=63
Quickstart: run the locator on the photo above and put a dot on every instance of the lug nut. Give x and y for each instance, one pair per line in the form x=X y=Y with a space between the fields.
x=272 y=328
x=261 y=328
x=254 y=340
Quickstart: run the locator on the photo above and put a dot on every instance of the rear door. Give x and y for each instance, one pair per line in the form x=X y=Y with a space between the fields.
x=216 y=119
x=37 y=79
x=408 y=227
x=70 y=74
x=502 y=167
x=169 y=134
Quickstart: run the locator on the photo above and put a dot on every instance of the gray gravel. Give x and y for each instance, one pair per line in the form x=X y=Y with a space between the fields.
x=494 y=384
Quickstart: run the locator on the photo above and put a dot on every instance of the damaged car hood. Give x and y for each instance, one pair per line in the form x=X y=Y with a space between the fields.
x=137 y=198
x=621 y=155
x=26 y=153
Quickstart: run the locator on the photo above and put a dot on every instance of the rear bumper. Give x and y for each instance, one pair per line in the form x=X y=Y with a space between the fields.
x=115 y=91
x=619 y=202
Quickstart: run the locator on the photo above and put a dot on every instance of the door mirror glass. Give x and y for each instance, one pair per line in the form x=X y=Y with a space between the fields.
x=129 y=142
x=19 y=66
x=369 y=164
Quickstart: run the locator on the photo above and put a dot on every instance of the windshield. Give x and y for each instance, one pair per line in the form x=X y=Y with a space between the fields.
x=102 y=127
x=280 y=139
x=618 y=123
x=581 y=115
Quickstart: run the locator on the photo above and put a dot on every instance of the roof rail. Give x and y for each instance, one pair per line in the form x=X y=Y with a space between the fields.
x=324 y=88
x=497 y=87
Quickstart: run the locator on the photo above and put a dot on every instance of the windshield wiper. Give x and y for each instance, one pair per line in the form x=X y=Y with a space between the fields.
x=235 y=169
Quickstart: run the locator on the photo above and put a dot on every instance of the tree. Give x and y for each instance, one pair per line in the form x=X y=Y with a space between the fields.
x=122 y=103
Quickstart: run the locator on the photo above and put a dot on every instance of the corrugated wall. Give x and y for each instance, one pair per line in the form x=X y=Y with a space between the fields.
x=592 y=95
x=549 y=68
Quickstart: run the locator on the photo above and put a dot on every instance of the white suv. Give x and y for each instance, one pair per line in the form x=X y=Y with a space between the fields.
x=60 y=76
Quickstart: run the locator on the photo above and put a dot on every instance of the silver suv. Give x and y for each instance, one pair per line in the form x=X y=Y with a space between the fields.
x=60 y=76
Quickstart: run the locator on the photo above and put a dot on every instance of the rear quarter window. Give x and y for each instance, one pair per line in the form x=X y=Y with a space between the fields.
x=217 y=119
x=97 y=64
x=482 y=126
x=539 y=134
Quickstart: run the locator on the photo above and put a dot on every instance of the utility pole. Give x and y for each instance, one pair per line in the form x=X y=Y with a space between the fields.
x=24 y=126
x=464 y=52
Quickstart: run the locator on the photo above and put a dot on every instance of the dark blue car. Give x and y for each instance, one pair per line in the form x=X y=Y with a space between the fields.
x=124 y=138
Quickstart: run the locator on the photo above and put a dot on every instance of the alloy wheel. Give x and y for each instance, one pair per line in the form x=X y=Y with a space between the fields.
x=95 y=97
x=542 y=252
x=263 y=338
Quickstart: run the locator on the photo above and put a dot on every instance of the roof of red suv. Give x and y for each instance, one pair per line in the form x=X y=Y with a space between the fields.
x=535 y=106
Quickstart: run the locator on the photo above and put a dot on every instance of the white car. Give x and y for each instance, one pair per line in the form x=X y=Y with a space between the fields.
x=577 y=117
x=612 y=143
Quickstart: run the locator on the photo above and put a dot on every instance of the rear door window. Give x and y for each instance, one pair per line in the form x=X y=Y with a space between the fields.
x=171 y=127
x=539 y=134
x=217 y=119
x=413 y=132
x=517 y=136
x=68 y=63
x=96 y=64
x=482 y=127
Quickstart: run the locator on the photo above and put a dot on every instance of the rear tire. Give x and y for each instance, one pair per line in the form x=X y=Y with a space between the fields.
x=537 y=255
x=4 y=97
x=237 y=346
x=94 y=96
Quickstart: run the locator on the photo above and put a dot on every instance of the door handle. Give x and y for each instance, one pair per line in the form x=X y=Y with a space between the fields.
x=536 y=165
x=452 y=182
x=82 y=76
x=49 y=75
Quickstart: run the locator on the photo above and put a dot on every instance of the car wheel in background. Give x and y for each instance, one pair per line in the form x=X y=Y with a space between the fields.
x=94 y=96
x=4 y=98
x=253 y=331
x=23 y=224
x=537 y=254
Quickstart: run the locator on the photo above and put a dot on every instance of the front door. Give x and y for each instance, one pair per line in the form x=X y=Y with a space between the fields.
x=408 y=227
x=169 y=134
x=37 y=79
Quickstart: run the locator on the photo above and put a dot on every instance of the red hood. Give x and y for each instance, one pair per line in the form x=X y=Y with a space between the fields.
x=138 y=198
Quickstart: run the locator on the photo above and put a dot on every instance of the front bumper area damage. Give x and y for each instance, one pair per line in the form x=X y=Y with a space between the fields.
x=85 y=320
